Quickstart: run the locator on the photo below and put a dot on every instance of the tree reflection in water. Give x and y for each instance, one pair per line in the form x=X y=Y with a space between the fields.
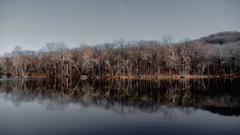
x=220 y=96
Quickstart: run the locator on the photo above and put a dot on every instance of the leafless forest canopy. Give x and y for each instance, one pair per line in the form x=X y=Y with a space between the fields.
x=217 y=54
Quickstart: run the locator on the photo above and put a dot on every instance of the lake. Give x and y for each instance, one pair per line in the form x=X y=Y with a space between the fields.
x=54 y=106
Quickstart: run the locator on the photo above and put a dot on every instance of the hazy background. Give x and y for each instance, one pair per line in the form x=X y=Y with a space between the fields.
x=33 y=23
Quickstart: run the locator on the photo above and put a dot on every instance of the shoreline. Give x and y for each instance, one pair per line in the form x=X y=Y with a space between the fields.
x=171 y=77
x=141 y=77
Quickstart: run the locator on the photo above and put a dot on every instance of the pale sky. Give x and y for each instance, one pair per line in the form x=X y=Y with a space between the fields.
x=33 y=23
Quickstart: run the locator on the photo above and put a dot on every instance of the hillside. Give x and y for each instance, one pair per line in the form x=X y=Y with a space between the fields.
x=222 y=37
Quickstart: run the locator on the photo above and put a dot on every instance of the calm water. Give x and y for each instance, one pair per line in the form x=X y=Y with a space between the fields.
x=52 y=106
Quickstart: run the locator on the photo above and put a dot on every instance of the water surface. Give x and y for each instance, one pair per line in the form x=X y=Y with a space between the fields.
x=53 y=106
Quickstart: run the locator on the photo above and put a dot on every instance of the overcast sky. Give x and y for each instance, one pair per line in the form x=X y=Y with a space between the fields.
x=33 y=23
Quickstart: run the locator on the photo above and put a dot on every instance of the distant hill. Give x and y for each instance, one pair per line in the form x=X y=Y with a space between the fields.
x=221 y=37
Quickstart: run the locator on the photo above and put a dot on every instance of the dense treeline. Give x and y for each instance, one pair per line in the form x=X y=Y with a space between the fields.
x=128 y=59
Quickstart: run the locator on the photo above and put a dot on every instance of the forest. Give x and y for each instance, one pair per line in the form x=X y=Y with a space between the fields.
x=213 y=55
